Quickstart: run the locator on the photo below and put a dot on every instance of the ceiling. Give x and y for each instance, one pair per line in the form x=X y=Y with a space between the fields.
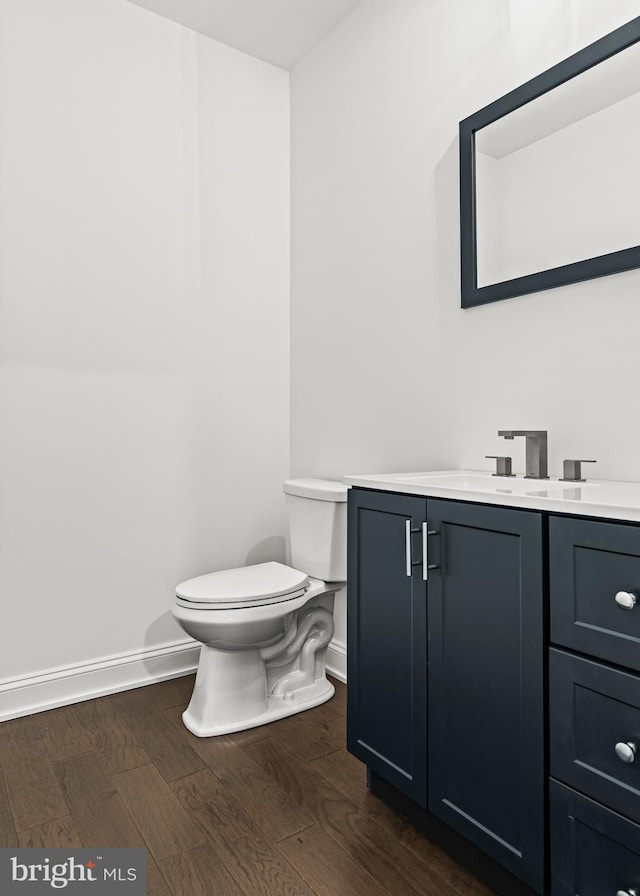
x=278 y=31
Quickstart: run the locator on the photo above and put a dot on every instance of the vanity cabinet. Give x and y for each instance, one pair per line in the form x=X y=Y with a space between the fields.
x=496 y=681
x=445 y=688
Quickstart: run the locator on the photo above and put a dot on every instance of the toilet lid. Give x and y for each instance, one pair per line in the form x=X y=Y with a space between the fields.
x=261 y=583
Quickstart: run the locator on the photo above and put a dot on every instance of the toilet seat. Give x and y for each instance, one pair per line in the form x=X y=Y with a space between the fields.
x=245 y=586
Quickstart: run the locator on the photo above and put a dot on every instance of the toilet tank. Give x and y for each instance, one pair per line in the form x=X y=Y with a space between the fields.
x=317 y=511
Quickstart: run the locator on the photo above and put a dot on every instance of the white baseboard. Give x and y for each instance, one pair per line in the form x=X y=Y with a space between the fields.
x=337 y=660
x=121 y=672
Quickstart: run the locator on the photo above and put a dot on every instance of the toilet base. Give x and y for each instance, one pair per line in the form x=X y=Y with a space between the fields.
x=240 y=684
x=277 y=707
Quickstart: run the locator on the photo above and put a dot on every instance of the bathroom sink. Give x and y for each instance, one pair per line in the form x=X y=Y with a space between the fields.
x=602 y=498
x=479 y=482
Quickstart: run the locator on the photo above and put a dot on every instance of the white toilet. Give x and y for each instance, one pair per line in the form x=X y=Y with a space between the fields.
x=265 y=629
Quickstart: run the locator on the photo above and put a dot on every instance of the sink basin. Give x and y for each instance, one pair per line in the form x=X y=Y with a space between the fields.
x=479 y=482
x=602 y=498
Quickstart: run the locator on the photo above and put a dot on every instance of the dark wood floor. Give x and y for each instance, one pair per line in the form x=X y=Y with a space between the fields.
x=281 y=810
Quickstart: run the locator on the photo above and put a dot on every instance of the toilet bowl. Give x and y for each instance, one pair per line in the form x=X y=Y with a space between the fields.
x=265 y=628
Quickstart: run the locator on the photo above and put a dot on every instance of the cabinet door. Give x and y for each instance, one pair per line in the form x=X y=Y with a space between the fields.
x=387 y=637
x=486 y=740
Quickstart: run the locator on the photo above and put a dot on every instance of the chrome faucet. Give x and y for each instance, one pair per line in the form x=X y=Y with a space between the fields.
x=535 y=450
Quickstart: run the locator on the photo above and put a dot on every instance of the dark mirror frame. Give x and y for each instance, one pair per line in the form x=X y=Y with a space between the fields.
x=612 y=262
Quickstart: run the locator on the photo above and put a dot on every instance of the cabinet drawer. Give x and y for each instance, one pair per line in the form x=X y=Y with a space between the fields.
x=593 y=708
x=594 y=851
x=589 y=563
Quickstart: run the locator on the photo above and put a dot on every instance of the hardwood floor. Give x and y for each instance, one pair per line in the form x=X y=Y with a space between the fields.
x=281 y=810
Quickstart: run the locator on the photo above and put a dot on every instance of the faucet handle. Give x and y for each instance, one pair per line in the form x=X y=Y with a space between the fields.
x=572 y=471
x=503 y=465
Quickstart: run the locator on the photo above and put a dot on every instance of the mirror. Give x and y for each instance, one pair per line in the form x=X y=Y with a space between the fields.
x=549 y=178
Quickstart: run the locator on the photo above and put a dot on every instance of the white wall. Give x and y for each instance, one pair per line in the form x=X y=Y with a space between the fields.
x=144 y=326
x=403 y=379
x=400 y=377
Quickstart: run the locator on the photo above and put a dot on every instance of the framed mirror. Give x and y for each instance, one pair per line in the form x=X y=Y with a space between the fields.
x=550 y=177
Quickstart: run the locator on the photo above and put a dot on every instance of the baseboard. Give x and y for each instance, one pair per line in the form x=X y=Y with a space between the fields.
x=337 y=660
x=121 y=672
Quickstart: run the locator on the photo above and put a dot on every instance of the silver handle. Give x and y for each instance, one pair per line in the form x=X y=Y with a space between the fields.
x=626 y=599
x=572 y=470
x=503 y=465
x=425 y=551
x=407 y=546
x=630 y=892
x=426 y=566
x=626 y=752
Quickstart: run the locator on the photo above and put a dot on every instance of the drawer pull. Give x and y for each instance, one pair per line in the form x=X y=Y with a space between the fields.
x=626 y=752
x=626 y=599
x=630 y=892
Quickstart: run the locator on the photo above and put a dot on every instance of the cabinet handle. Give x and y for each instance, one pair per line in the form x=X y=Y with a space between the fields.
x=630 y=892
x=425 y=552
x=407 y=546
x=626 y=752
x=426 y=566
x=626 y=599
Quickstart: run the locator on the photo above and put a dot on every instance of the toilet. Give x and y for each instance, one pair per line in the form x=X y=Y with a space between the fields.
x=265 y=628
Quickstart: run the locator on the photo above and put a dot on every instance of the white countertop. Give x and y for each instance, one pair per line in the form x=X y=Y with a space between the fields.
x=614 y=500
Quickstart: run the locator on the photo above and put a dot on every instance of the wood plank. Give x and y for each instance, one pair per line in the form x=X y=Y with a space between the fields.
x=344 y=771
x=100 y=815
x=304 y=785
x=251 y=735
x=173 y=692
x=168 y=751
x=113 y=741
x=393 y=866
x=199 y=872
x=62 y=733
x=308 y=742
x=269 y=805
x=252 y=860
x=58 y=834
x=165 y=826
x=98 y=812
x=8 y=839
x=333 y=729
x=156 y=883
x=327 y=868
x=32 y=787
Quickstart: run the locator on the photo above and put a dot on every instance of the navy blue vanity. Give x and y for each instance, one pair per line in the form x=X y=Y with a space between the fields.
x=494 y=672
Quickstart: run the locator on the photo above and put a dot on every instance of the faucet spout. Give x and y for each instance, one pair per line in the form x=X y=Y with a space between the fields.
x=535 y=450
